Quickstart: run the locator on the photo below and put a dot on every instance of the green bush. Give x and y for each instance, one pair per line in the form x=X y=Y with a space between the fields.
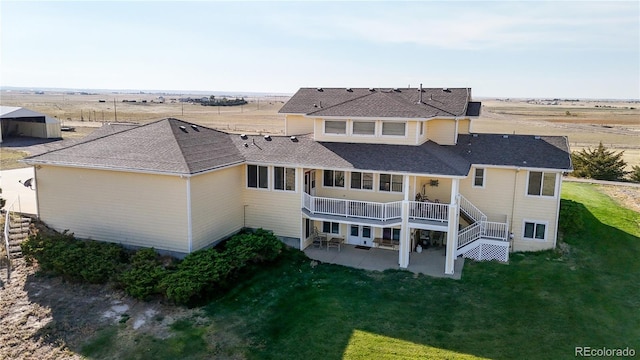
x=78 y=260
x=142 y=279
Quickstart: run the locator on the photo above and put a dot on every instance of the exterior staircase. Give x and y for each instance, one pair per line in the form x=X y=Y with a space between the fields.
x=482 y=239
x=18 y=232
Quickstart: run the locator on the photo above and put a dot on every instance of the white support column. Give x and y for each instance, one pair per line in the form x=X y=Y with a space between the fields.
x=452 y=233
x=405 y=234
x=300 y=189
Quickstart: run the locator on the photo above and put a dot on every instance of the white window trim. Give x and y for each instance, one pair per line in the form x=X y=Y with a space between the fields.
x=364 y=135
x=484 y=178
x=537 y=222
x=394 y=136
x=373 y=182
x=295 y=179
x=555 y=188
x=269 y=178
x=334 y=175
x=346 y=128
x=330 y=226
x=379 y=179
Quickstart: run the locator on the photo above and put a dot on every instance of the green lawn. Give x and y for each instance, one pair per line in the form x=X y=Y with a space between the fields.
x=540 y=306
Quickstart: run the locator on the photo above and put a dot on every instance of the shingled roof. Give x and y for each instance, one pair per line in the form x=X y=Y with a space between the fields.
x=166 y=146
x=527 y=151
x=384 y=103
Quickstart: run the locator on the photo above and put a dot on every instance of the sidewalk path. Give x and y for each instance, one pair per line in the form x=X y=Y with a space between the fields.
x=12 y=189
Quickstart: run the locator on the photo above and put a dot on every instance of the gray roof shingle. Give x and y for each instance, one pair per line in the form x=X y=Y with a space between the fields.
x=161 y=146
x=361 y=102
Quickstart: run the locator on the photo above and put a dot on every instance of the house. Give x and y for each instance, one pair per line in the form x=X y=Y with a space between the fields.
x=373 y=167
x=18 y=121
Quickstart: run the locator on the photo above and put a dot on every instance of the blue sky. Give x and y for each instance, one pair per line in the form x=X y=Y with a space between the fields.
x=503 y=49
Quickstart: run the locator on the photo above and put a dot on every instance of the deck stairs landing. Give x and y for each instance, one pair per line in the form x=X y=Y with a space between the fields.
x=482 y=239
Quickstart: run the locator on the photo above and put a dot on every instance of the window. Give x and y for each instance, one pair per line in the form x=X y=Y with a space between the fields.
x=390 y=182
x=541 y=184
x=391 y=233
x=284 y=178
x=393 y=128
x=257 y=177
x=333 y=178
x=330 y=227
x=335 y=127
x=478 y=177
x=362 y=181
x=364 y=128
x=535 y=231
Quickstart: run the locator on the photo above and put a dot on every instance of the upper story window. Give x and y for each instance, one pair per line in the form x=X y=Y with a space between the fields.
x=394 y=128
x=362 y=181
x=390 y=182
x=257 y=177
x=478 y=177
x=333 y=178
x=364 y=128
x=335 y=127
x=284 y=178
x=541 y=184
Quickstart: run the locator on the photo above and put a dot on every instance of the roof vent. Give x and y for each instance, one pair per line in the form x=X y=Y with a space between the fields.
x=349 y=89
x=475 y=135
x=372 y=89
x=430 y=96
x=537 y=137
x=505 y=136
x=320 y=89
x=315 y=105
x=294 y=139
x=446 y=90
x=183 y=128
x=246 y=145
x=194 y=127
x=243 y=136
x=396 y=89
x=267 y=137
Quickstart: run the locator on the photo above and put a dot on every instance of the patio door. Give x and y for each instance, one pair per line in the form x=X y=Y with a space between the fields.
x=310 y=182
x=360 y=235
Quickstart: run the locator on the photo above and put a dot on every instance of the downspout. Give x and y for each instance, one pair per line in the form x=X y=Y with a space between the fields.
x=513 y=205
x=189 y=220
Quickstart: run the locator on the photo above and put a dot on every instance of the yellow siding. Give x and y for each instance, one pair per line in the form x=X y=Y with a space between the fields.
x=120 y=207
x=298 y=124
x=442 y=131
x=464 y=126
x=503 y=198
x=442 y=192
x=533 y=208
x=216 y=205
x=276 y=210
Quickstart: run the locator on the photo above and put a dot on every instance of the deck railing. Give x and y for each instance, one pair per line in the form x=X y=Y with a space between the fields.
x=495 y=230
x=428 y=211
x=471 y=210
x=353 y=208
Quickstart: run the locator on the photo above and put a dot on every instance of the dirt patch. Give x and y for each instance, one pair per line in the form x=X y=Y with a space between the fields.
x=626 y=196
x=47 y=318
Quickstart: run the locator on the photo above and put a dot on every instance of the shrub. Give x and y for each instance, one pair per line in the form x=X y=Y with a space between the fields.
x=78 y=260
x=635 y=174
x=142 y=279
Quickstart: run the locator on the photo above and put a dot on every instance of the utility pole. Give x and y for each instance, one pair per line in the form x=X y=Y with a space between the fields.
x=115 y=112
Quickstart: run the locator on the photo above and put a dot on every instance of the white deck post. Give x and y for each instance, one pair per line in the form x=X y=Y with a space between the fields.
x=300 y=187
x=452 y=233
x=405 y=236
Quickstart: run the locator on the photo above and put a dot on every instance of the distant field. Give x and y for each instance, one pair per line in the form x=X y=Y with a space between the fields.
x=586 y=123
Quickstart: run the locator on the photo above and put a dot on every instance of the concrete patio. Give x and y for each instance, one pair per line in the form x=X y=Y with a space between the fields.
x=429 y=262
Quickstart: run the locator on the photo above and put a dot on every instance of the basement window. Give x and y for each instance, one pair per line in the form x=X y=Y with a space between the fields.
x=535 y=231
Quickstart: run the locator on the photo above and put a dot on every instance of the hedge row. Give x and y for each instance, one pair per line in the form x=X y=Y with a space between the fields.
x=144 y=273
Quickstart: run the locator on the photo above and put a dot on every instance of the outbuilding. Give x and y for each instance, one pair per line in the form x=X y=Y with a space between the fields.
x=18 y=121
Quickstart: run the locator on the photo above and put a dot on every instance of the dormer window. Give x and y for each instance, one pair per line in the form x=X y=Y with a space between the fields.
x=335 y=127
x=394 y=128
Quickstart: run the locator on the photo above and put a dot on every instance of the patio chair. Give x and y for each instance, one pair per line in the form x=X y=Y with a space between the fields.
x=317 y=238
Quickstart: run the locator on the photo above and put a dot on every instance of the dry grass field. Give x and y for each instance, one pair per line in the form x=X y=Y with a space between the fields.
x=616 y=124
